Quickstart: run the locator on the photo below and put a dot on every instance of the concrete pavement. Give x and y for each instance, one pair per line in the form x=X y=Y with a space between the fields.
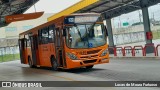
x=119 y=69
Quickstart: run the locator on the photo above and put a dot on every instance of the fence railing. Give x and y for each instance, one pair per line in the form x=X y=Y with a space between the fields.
x=150 y=45
x=129 y=49
x=139 y=47
x=133 y=50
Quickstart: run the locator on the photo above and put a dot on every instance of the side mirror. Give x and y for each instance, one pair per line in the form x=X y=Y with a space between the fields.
x=64 y=32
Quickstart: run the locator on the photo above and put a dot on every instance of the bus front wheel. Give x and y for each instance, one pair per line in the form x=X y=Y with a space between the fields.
x=89 y=67
x=54 y=64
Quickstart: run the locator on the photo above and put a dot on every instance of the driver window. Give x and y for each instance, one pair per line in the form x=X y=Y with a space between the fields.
x=69 y=35
x=51 y=34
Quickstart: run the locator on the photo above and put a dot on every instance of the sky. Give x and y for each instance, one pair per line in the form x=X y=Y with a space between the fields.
x=51 y=6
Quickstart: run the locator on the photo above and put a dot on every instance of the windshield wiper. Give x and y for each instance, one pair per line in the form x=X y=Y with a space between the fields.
x=78 y=31
x=90 y=28
x=82 y=38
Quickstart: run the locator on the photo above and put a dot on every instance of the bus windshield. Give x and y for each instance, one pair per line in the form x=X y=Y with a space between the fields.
x=85 y=35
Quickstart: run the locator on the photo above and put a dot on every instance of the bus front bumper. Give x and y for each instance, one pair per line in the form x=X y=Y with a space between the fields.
x=82 y=63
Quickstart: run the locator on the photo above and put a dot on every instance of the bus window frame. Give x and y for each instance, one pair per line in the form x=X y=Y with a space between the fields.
x=52 y=39
x=39 y=37
x=44 y=40
x=27 y=41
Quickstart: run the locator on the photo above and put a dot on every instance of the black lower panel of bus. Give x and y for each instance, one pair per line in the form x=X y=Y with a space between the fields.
x=34 y=49
x=21 y=49
x=60 y=58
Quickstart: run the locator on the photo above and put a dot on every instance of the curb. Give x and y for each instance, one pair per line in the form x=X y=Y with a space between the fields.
x=139 y=57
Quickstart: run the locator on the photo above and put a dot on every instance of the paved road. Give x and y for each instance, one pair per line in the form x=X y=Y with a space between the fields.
x=128 y=69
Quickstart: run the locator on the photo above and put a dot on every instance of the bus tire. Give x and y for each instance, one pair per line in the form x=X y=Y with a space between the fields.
x=54 y=64
x=89 y=67
x=30 y=62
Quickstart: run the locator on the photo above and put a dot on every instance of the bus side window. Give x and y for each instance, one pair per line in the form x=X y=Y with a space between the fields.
x=27 y=41
x=45 y=35
x=51 y=34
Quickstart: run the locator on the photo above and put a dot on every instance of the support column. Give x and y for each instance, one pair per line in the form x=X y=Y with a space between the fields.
x=110 y=35
x=147 y=29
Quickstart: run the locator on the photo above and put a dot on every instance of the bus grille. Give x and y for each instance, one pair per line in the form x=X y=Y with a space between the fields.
x=93 y=56
x=90 y=61
x=93 y=51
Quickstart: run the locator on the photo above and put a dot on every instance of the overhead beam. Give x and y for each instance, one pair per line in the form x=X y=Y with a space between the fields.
x=120 y=10
x=96 y=6
x=129 y=8
x=126 y=3
x=20 y=8
x=26 y=5
x=4 y=9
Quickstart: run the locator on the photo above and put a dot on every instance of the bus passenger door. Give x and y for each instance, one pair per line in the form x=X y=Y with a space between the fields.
x=59 y=48
x=22 y=50
x=34 y=48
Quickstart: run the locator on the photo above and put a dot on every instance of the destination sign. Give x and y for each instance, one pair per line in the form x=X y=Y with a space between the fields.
x=21 y=17
x=80 y=19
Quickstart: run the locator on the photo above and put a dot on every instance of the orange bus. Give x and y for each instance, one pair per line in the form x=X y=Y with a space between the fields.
x=71 y=41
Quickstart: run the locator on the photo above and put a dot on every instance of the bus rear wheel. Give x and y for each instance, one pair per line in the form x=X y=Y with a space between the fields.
x=89 y=67
x=54 y=64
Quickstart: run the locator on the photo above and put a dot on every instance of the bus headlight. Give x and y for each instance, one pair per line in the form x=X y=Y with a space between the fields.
x=105 y=52
x=72 y=56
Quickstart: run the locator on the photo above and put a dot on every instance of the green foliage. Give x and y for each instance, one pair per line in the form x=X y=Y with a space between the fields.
x=156 y=34
x=9 y=57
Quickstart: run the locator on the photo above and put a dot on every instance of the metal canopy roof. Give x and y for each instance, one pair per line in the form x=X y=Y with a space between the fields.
x=103 y=5
x=113 y=8
x=10 y=7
